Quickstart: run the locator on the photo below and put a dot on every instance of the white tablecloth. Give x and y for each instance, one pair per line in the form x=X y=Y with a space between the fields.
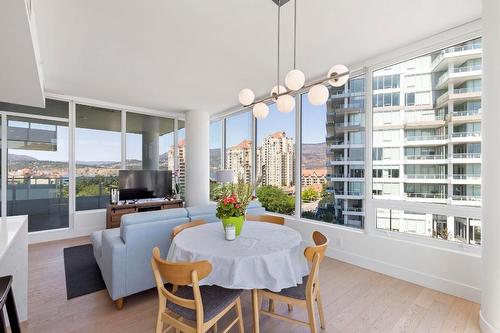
x=264 y=256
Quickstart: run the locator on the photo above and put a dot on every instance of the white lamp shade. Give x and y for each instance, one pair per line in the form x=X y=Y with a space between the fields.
x=339 y=69
x=246 y=96
x=285 y=103
x=295 y=79
x=260 y=110
x=318 y=94
x=224 y=176
x=275 y=90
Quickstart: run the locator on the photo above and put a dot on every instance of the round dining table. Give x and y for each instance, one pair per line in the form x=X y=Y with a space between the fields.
x=264 y=256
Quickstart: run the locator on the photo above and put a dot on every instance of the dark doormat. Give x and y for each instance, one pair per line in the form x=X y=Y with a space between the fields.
x=83 y=276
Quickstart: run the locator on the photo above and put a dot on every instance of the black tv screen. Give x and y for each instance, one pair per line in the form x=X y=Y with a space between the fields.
x=145 y=184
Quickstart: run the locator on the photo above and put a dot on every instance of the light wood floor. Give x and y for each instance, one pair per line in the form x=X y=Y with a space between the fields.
x=355 y=300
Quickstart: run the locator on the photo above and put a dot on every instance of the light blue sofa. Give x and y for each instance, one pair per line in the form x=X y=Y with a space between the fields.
x=123 y=254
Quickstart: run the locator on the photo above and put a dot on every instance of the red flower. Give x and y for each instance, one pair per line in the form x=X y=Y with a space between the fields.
x=237 y=206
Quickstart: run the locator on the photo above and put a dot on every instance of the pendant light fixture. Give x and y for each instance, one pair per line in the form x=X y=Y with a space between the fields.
x=295 y=80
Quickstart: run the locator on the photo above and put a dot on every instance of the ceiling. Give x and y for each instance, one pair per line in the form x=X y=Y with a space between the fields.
x=196 y=55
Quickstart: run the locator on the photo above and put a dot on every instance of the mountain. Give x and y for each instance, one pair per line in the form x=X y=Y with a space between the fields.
x=21 y=158
x=215 y=156
x=314 y=155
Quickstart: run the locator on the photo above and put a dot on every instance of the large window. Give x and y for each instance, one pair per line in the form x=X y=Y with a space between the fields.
x=38 y=174
x=333 y=164
x=97 y=155
x=148 y=139
x=238 y=155
x=181 y=156
x=275 y=161
x=215 y=148
x=427 y=142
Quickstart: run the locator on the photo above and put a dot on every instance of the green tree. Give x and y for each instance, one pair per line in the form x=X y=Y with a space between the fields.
x=309 y=194
x=275 y=199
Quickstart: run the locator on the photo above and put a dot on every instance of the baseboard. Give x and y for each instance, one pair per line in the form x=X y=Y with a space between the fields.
x=485 y=326
x=54 y=235
x=427 y=280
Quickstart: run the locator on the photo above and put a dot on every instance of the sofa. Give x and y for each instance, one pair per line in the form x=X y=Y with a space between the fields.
x=123 y=254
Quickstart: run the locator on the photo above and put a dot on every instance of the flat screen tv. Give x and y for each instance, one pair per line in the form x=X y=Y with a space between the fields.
x=145 y=184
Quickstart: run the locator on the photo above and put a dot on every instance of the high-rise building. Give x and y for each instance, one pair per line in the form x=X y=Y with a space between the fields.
x=239 y=159
x=276 y=160
x=181 y=151
x=427 y=133
x=345 y=127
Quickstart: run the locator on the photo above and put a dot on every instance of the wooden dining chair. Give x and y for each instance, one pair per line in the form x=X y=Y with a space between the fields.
x=305 y=294
x=266 y=218
x=176 y=230
x=203 y=306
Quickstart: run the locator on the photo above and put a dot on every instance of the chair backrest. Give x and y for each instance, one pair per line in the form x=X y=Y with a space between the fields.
x=180 y=274
x=179 y=228
x=315 y=254
x=266 y=218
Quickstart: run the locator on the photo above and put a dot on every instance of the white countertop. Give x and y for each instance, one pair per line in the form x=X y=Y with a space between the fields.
x=9 y=228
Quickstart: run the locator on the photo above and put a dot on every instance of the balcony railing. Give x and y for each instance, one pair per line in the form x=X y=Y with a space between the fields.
x=466 y=155
x=414 y=118
x=464 y=113
x=466 y=90
x=425 y=157
x=455 y=49
x=467 y=176
x=426 y=137
x=426 y=195
x=467 y=198
x=355 y=192
x=470 y=68
x=354 y=209
x=466 y=134
x=350 y=124
x=426 y=176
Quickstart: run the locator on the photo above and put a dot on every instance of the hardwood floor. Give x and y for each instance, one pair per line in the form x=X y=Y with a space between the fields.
x=355 y=300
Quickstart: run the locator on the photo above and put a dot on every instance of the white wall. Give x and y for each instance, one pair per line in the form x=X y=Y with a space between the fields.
x=446 y=270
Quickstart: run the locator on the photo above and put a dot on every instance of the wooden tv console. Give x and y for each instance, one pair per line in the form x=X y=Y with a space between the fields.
x=114 y=212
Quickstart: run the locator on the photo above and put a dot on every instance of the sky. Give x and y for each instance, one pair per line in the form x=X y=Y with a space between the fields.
x=239 y=126
x=98 y=145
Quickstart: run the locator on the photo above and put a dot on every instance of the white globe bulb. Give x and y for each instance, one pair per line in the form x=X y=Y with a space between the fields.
x=246 y=96
x=260 y=110
x=339 y=69
x=318 y=94
x=285 y=103
x=295 y=79
x=275 y=90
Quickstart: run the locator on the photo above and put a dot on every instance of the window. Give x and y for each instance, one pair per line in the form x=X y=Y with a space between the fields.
x=97 y=155
x=332 y=166
x=275 y=162
x=215 y=148
x=239 y=156
x=180 y=173
x=38 y=180
x=452 y=228
x=148 y=139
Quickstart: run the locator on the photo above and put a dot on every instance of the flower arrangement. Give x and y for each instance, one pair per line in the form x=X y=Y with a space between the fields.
x=233 y=202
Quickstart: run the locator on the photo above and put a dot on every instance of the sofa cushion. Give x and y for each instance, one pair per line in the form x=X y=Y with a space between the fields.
x=148 y=217
x=298 y=292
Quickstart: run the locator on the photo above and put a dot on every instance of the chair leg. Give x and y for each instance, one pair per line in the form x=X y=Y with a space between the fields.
x=271 y=305
x=312 y=317
x=256 y=308
x=159 y=323
x=240 y=316
x=320 y=310
x=290 y=307
x=119 y=303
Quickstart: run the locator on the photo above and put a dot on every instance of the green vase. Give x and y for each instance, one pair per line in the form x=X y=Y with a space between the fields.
x=237 y=221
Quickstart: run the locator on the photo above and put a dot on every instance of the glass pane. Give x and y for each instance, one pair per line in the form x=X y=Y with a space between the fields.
x=452 y=228
x=181 y=157
x=239 y=145
x=97 y=155
x=148 y=139
x=333 y=166
x=427 y=140
x=276 y=161
x=215 y=148
x=38 y=172
x=52 y=108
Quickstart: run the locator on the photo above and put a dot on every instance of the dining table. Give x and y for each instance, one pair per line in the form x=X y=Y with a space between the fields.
x=264 y=256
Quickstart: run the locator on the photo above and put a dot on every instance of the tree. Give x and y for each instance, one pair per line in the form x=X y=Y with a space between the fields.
x=276 y=200
x=309 y=194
